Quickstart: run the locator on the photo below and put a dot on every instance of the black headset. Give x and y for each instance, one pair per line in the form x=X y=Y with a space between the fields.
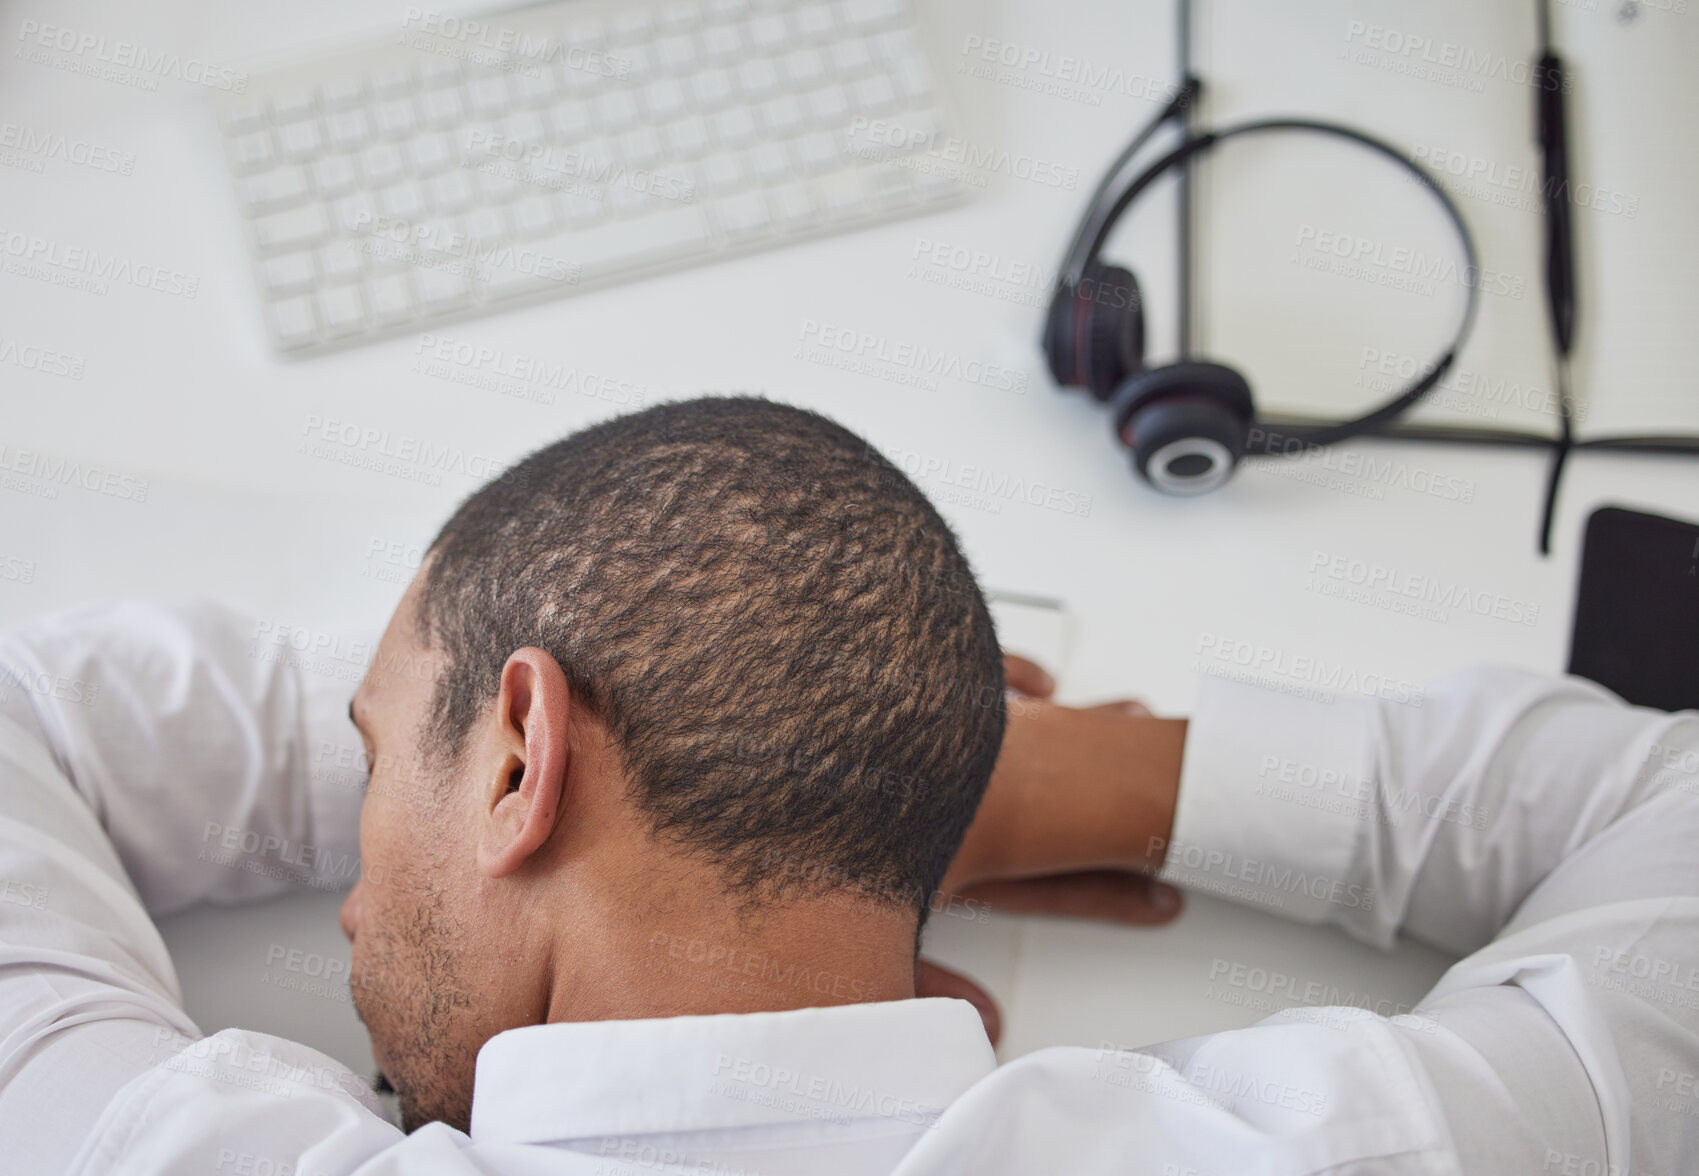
x=1188 y=423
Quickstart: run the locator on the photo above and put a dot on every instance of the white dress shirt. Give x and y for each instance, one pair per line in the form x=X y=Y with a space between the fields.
x=155 y=756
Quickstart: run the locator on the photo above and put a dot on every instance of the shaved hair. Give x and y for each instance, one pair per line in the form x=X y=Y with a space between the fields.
x=778 y=630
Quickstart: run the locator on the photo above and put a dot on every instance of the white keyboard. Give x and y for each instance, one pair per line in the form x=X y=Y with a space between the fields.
x=466 y=164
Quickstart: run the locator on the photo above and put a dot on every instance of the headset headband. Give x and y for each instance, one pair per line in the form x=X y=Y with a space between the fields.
x=1305 y=433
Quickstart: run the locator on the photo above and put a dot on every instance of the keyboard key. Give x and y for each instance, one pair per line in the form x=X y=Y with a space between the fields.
x=875 y=95
x=866 y=13
x=497 y=184
x=292 y=321
x=664 y=98
x=298 y=139
x=897 y=45
x=355 y=213
x=675 y=54
x=340 y=261
x=842 y=193
x=451 y=192
x=818 y=149
x=243 y=115
x=804 y=66
x=770 y=161
x=782 y=114
x=792 y=203
x=348 y=129
x=291 y=105
x=442 y=106
x=641 y=147
x=757 y=77
x=680 y=16
x=914 y=79
x=292 y=229
x=403 y=201
x=489 y=94
x=734 y=127
x=766 y=32
x=813 y=20
x=428 y=154
x=712 y=87
x=390 y=296
x=342 y=93
x=334 y=174
x=570 y=121
x=438 y=71
x=588 y=32
x=580 y=207
x=280 y=186
x=533 y=215
x=442 y=287
x=632 y=25
x=742 y=214
x=721 y=41
x=535 y=86
x=340 y=310
x=850 y=57
x=524 y=126
x=626 y=199
x=887 y=182
x=381 y=162
x=617 y=109
x=637 y=64
x=286 y=274
x=486 y=224
x=392 y=80
x=251 y=150
x=722 y=172
x=397 y=116
x=610 y=246
x=829 y=104
x=688 y=137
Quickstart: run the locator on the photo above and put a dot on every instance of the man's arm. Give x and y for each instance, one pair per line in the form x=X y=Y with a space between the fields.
x=133 y=736
x=220 y=762
x=1436 y=815
x=1541 y=811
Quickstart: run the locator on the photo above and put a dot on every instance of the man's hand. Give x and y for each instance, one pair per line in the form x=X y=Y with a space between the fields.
x=1079 y=809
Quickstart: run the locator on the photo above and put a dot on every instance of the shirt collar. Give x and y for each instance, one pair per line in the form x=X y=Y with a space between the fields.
x=904 y=1060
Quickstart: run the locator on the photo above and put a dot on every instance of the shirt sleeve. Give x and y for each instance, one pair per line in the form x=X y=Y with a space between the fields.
x=152 y=756
x=214 y=749
x=1537 y=822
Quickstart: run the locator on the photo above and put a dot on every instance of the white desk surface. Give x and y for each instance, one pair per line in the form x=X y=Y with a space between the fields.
x=183 y=393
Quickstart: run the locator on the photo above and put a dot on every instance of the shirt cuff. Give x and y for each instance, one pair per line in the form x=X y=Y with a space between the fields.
x=1274 y=797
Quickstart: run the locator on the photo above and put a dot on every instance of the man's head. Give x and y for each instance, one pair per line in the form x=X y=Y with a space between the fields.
x=664 y=691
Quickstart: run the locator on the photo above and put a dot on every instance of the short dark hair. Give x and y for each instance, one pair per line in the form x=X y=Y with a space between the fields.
x=779 y=631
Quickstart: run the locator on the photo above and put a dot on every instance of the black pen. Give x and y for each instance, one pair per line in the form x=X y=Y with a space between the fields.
x=1553 y=133
x=1554 y=149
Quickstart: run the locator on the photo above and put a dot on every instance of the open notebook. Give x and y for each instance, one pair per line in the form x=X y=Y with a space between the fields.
x=1329 y=277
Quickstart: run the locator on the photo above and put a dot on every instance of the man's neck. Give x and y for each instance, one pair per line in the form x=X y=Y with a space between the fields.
x=690 y=951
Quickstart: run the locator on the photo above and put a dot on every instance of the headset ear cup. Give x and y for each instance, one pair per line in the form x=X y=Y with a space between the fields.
x=1186 y=424
x=1114 y=327
x=1094 y=331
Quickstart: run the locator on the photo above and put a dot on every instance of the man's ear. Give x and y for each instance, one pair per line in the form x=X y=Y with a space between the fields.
x=523 y=798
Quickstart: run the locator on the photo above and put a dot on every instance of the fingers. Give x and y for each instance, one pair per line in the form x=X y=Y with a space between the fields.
x=932 y=980
x=1027 y=676
x=1111 y=895
x=1121 y=706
